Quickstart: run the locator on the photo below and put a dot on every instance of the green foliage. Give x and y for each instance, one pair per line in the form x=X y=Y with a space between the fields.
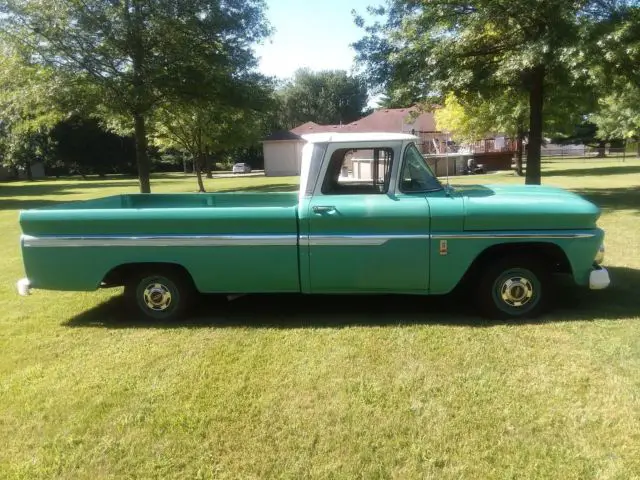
x=134 y=55
x=472 y=46
x=619 y=116
x=469 y=121
x=616 y=76
x=326 y=97
x=399 y=98
x=29 y=107
x=28 y=100
x=615 y=45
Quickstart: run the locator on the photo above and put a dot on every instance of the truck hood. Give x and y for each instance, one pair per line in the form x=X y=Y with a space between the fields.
x=525 y=207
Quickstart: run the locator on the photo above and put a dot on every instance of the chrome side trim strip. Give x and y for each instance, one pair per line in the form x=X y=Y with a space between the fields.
x=161 y=241
x=355 y=240
x=510 y=235
x=270 y=240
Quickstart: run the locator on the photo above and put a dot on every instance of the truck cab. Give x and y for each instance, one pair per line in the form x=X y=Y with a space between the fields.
x=365 y=218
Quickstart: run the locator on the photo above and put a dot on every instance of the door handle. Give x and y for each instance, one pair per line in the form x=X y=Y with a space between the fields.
x=323 y=208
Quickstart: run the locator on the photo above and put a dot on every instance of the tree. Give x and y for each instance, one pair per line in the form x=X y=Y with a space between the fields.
x=469 y=121
x=396 y=98
x=204 y=128
x=506 y=112
x=136 y=54
x=618 y=78
x=619 y=115
x=482 y=47
x=29 y=107
x=326 y=97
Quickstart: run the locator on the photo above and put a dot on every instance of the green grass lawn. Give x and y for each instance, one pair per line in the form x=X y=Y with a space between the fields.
x=291 y=387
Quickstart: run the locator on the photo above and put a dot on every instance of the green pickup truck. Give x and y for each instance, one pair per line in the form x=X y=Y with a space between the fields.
x=370 y=217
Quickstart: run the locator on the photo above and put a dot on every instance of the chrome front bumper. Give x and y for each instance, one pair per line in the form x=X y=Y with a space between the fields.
x=599 y=279
x=24 y=287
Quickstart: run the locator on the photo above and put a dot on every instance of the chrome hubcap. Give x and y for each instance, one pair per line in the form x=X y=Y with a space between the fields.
x=157 y=297
x=516 y=291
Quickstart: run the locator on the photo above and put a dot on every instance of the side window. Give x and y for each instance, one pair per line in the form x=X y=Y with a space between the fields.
x=416 y=176
x=357 y=171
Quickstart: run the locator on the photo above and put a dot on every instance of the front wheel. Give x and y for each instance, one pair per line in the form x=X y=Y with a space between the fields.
x=161 y=295
x=513 y=288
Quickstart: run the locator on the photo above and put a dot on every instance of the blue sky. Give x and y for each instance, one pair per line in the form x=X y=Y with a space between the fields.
x=311 y=33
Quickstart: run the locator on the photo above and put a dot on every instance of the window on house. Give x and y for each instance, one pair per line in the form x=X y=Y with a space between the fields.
x=358 y=171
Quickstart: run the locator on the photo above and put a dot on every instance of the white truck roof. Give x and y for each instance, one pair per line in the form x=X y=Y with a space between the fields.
x=313 y=138
x=356 y=137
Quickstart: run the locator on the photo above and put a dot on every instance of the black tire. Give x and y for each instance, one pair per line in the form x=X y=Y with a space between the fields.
x=164 y=294
x=514 y=287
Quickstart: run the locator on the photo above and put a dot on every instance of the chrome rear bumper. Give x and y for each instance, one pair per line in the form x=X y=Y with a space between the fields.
x=599 y=279
x=24 y=287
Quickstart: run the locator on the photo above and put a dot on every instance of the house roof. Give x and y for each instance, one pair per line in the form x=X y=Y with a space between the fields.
x=282 y=135
x=312 y=127
x=396 y=120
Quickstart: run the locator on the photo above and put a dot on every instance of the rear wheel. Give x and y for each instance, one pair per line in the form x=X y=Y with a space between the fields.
x=164 y=294
x=514 y=287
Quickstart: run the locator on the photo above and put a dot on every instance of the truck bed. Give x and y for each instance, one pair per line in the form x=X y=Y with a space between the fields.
x=230 y=242
x=183 y=200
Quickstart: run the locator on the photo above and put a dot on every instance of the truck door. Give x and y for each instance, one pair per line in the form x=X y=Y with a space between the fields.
x=363 y=235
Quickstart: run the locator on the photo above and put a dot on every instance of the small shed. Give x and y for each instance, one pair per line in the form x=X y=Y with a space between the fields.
x=283 y=149
x=282 y=154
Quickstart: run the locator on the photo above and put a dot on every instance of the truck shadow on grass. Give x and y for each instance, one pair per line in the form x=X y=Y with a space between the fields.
x=300 y=311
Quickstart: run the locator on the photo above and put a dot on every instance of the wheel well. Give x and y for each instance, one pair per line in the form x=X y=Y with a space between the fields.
x=547 y=253
x=118 y=276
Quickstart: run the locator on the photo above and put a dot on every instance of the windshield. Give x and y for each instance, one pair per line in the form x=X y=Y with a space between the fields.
x=416 y=175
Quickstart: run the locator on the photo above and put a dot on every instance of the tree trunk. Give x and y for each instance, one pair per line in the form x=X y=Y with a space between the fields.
x=519 y=151
x=602 y=150
x=638 y=146
x=142 y=157
x=135 y=26
x=199 y=160
x=209 y=166
x=27 y=170
x=536 y=101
